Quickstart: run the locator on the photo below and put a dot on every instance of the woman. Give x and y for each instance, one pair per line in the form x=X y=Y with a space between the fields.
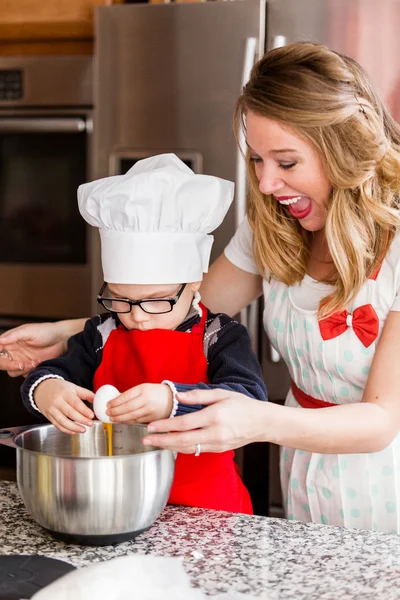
x=321 y=243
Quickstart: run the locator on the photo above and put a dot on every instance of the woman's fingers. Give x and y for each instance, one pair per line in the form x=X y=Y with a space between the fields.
x=224 y=425
x=187 y=422
x=14 y=363
x=13 y=370
x=202 y=396
x=186 y=442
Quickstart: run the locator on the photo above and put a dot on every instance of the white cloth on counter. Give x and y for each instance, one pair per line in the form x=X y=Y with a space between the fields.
x=155 y=220
x=140 y=577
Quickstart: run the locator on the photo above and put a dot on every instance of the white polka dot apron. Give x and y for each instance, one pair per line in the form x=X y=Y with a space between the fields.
x=351 y=490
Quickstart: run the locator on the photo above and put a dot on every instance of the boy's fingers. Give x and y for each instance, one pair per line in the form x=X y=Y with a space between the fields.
x=65 y=424
x=80 y=406
x=130 y=406
x=83 y=393
x=76 y=415
x=131 y=394
x=60 y=427
x=133 y=415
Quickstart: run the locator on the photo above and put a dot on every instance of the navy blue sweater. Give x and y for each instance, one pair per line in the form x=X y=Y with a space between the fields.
x=232 y=365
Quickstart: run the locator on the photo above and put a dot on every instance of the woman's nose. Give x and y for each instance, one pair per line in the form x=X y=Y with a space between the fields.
x=270 y=181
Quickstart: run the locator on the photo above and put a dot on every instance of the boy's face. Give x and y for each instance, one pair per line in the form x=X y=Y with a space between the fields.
x=138 y=318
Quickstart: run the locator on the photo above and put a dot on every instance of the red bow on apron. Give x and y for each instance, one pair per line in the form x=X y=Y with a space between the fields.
x=134 y=357
x=364 y=321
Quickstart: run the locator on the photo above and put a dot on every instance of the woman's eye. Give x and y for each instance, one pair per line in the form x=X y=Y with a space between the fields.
x=287 y=166
x=255 y=159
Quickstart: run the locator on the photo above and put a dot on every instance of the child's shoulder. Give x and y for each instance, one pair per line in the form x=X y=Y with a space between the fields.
x=222 y=318
x=100 y=319
x=101 y=325
x=221 y=325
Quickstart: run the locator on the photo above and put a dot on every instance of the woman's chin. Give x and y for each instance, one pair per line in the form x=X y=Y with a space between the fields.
x=312 y=224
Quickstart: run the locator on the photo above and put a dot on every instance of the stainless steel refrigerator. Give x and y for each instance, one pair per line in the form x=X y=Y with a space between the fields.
x=166 y=78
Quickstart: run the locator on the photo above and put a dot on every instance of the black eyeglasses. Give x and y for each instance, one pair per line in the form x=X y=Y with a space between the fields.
x=156 y=306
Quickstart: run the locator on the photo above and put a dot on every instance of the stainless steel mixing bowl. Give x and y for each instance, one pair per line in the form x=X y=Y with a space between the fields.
x=72 y=488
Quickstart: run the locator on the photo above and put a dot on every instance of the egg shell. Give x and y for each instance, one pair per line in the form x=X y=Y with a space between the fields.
x=104 y=394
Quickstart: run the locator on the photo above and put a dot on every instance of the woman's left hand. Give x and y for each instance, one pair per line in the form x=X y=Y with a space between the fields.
x=230 y=421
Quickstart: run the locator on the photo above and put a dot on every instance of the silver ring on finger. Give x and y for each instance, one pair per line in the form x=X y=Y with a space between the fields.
x=197 y=450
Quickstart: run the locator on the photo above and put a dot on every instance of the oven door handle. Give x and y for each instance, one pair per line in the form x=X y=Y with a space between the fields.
x=40 y=125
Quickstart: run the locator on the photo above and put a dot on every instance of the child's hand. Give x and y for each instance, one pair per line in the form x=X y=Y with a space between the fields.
x=61 y=403
x=142 y=404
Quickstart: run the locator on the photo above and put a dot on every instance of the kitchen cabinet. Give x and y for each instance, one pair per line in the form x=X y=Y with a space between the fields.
x=48 y=26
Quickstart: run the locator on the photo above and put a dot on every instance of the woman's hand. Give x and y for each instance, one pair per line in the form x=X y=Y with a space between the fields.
x=230 y=421
x=142 y=404
x=61 y=402
x=24 y=347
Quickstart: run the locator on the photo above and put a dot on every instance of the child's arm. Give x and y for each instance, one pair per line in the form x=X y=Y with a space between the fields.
x=77 y=365
x=232 y=365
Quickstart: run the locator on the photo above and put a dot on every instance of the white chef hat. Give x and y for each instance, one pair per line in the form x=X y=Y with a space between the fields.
x=155 y=220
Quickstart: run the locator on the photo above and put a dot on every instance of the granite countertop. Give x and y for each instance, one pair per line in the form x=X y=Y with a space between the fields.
x=268 y=558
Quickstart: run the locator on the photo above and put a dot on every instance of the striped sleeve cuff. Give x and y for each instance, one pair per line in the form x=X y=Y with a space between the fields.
x=174 y=400
x=34 y=386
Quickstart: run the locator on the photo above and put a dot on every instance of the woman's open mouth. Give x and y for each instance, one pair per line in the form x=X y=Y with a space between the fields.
x=299 y=206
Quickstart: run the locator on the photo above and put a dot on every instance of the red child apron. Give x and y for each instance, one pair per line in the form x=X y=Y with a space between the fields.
x=134 y=357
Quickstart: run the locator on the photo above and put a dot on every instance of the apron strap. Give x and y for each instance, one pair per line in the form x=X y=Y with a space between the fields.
x=307 y=401
x=199 y=328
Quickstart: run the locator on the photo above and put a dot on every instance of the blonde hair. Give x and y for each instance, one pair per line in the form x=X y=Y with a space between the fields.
x=327 y=99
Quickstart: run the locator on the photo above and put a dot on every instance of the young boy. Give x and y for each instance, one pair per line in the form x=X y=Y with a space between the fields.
x=157 y=338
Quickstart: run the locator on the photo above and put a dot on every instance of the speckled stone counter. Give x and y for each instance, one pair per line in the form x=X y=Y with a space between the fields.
x=268 y=558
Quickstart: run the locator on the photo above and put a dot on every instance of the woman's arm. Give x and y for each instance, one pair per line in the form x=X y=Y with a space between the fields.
x=368 y=426
x=228 y=289
x=232 y=420
x=28 y=345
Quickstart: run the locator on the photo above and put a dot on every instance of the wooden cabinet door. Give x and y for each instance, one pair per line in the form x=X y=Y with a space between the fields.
x=48 y=26
x=45 y=19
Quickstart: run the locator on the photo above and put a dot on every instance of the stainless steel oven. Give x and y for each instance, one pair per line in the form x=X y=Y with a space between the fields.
x=45 y=154
x=45 y=247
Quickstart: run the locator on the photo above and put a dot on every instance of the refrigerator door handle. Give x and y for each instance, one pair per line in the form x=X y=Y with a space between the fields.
x=278 y=41
x=240 y=200
x=247 y=315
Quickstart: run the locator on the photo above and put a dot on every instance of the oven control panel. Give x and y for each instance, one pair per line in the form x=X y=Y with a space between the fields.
x=10 y=84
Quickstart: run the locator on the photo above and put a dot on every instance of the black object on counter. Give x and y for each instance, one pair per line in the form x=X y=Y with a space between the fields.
x=111 y=539
x=21 y=575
